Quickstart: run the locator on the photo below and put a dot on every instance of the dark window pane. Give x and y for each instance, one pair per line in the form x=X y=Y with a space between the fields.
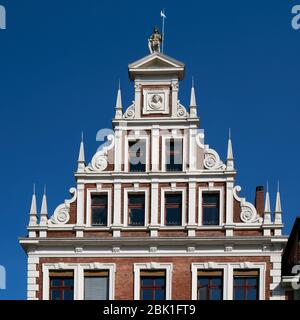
x=210 y=209
x=153 y=288
x=136 y=209
x=99 y=216
x=173 y=216
x=239 y=294
x=68 y=295
x=68 y=282
x=56 y=282
x=137 y=156
x=210 y=288
x=202 y=293
x=252 y=294
x=159 y=294
x=99 y=199
x=147 y=294
x=55 y=295
x=174 y=155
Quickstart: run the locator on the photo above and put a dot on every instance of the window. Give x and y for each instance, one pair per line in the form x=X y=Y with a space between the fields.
x=211 y=208
x=99 y=210
x=210 y=285
x=245 y=285
x=136 y=209
x=62 y=285
x=174 y=155
x=96 y=285
x=153 y=285
x=137 y=156
x=173 y=209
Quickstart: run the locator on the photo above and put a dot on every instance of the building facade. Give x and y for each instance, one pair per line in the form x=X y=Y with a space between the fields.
x=156 y=214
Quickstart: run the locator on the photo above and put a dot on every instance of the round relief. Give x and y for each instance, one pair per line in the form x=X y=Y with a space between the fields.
x=156 y=102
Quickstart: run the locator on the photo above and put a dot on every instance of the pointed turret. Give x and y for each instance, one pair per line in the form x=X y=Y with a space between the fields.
x=44 y=210
x=230 y=159
x=193 y=104
x=119 y=107
x=33 y=215
x=267 y=211
x=81 y=157
x=278 y=209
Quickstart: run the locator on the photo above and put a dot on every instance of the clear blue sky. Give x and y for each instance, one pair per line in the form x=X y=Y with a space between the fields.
x=60 y=62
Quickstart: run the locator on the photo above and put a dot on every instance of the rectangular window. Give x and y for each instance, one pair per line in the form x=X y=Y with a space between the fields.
x=99 y=209
x=245 y=285
x=136 y=209
x=173 y=209
x=62 y=285
x=174 y=155
x=153 y=285
x=96 y=285
x=210 y=285
x=137 y=156
x=211 y=208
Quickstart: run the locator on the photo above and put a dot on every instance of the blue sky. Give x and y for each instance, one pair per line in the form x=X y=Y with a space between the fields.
x=60 y=62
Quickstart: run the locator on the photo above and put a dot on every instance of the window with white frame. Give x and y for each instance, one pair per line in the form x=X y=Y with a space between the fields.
x=153 y=281
x=96 y=285
x=83 y=281
x=137 y=156
x=99 y=207
x=174 y=155
x=211 y=206
x=136 y=206
x=173 y=207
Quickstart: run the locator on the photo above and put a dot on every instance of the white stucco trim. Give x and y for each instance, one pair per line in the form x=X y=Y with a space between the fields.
x=168 y=267
x=90 y=192
x=162 y=204
x=78 y=270
x=219 y=190
x=136 y=190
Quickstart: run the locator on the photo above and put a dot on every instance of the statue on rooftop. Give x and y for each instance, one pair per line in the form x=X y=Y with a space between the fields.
x=155 y=41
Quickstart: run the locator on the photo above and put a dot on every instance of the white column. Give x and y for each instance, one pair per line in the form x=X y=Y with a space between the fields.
x=229 y=207
x=174 y=98
x=80 y=209
x=155 y=148
x=117 y=210
x=79 y=282
x=154 y=210
x=228 y=283
x=192 y=209
x=137 y=103
x=118 y=150
x=192 y=149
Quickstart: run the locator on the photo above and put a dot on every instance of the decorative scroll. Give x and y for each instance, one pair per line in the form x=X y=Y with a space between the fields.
x=130 y=112
x=212 y=160
x=181 y=110
x=100 y=159
x=248 y=211
x=62 y=212
x=200 y=140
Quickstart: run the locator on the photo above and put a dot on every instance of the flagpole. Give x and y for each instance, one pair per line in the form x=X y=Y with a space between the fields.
x=163 y=31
